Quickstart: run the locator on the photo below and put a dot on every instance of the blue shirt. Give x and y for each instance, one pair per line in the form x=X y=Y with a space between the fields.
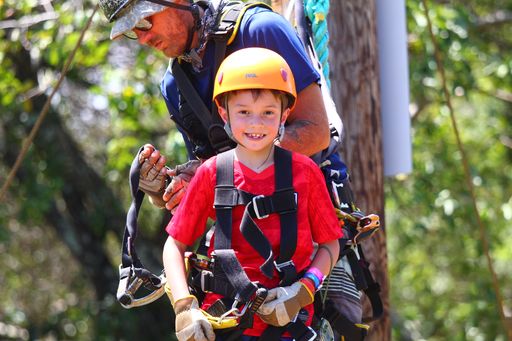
x=260 y=27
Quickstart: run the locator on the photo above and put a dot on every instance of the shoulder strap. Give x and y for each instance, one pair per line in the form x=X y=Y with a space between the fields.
x=217 y=137
x=232 y=15
x=284 y=186
x=225 y=199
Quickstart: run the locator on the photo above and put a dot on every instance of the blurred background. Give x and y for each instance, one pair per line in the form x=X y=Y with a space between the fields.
x=62 y=218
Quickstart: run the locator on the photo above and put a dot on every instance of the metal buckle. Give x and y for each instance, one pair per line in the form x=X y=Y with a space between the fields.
x=283 y=265
x=255 y=206
x=313 y=337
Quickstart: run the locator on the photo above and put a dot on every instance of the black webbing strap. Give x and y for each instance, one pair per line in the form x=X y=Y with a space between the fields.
x=364 y=280
x=297 y=329
x=372 y=290
x=131 y=266
x=211 y=122
x=284 y=183
x=223 y=208
x=226 y=264
x=342 y=325
x=283 y=201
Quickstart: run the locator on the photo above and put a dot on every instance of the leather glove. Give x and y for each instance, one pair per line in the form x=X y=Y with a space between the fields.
x=283 y=303
x=191 y=324
x=152 y=179
x=181 y=177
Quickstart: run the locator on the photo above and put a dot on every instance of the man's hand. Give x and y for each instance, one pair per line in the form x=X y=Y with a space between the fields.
x=191 y=324
x=283 y=303
x=181 y=176
x=152 y=174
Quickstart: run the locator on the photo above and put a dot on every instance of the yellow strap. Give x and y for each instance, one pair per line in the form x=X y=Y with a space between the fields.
x=240 y=16
x=221 y=323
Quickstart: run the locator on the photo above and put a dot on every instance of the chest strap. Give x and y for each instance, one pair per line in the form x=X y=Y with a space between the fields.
x=283 y=201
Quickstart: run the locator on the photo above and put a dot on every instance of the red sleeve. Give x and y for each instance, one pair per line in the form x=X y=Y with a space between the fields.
x=189 y=222
x=325 y=226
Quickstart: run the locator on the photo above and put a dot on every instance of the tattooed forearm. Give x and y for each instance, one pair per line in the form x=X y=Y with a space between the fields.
x=302 y=136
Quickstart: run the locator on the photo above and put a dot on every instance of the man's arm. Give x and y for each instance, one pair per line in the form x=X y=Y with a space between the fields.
x=307 y=131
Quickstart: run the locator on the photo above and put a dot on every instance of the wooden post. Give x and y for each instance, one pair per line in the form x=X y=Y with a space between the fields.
x=355 y=88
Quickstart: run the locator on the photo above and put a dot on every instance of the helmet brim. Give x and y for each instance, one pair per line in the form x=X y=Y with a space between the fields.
x=132 y=15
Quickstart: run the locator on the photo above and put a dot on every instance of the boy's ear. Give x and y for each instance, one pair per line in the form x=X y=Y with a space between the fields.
x=222 y=111
x=284 y=116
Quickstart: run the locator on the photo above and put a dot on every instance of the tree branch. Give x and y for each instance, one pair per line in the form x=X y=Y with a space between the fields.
x=28 y=21
x=497 y=18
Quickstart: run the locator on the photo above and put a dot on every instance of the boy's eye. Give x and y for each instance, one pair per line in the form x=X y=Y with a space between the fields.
x=268 y=113
x=243 y=112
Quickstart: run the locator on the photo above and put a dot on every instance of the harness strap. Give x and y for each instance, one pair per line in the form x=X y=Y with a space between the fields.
x=284 y=183
x=229 y=270
x=364 y=280
x=297 y=329
x=225 y=187
x=132 y=273
x=283 y=201
x=345 y=327
x=217 y=137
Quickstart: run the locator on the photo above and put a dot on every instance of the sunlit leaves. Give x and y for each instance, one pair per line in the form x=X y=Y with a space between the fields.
x=441 y=285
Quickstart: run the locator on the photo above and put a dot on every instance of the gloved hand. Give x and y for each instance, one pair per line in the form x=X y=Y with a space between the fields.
x=191 y=324
x=152 y=174
x=181 y=176
x=283 y=303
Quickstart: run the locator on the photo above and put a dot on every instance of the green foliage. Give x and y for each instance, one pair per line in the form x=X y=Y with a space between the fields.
x=440 y=283
x=110 y=104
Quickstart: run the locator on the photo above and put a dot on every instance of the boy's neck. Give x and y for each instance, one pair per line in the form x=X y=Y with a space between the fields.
x=257 y=161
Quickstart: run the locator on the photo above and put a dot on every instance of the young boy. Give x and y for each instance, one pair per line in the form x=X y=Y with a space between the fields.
x=254 y=91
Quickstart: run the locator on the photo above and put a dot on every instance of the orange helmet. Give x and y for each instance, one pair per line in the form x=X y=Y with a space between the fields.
x=254 y=68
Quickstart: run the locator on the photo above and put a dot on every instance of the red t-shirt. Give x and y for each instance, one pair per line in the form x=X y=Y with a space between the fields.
x=316 y=218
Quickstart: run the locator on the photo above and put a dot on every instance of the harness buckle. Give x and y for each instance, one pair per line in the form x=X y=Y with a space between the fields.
x=255 y=206
x=283 y=265
x=312 y=333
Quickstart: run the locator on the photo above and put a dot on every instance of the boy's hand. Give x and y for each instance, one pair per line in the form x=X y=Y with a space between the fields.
x=191 y=324
x=181 y=177
x=283 y=303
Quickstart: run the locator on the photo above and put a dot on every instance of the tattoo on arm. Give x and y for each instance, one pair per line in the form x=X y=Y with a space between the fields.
x=294 y=130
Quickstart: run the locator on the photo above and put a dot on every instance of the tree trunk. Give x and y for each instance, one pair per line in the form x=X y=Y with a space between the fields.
x=354 y=77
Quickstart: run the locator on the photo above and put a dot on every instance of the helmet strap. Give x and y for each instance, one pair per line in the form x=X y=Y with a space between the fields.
x=280 y=132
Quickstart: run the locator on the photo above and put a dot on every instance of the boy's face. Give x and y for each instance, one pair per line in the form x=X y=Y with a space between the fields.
x=254 y=120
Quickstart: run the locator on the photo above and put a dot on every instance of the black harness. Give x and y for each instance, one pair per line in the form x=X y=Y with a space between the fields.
x=228 y=277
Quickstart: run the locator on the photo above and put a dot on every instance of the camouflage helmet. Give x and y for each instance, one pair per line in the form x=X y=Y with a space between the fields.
x=127 y=13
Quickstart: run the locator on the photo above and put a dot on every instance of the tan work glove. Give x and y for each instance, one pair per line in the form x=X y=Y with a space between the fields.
x=152 y=174
x=283 y=304
x=191 y=324
x=181 y=177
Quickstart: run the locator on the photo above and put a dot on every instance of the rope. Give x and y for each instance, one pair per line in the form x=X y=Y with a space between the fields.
x=316 y=11
x=28 y=141
x=467 y=174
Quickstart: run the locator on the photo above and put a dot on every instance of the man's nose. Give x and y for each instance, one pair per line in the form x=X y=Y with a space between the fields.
x=143 y=37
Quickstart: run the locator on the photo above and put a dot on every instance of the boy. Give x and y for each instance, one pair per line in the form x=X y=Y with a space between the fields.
x=254 y=90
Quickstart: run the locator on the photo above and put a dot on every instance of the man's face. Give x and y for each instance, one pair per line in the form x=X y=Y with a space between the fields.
x=168 y=33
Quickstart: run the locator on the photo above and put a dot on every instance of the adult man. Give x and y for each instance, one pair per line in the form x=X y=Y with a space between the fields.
x=181 y=28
